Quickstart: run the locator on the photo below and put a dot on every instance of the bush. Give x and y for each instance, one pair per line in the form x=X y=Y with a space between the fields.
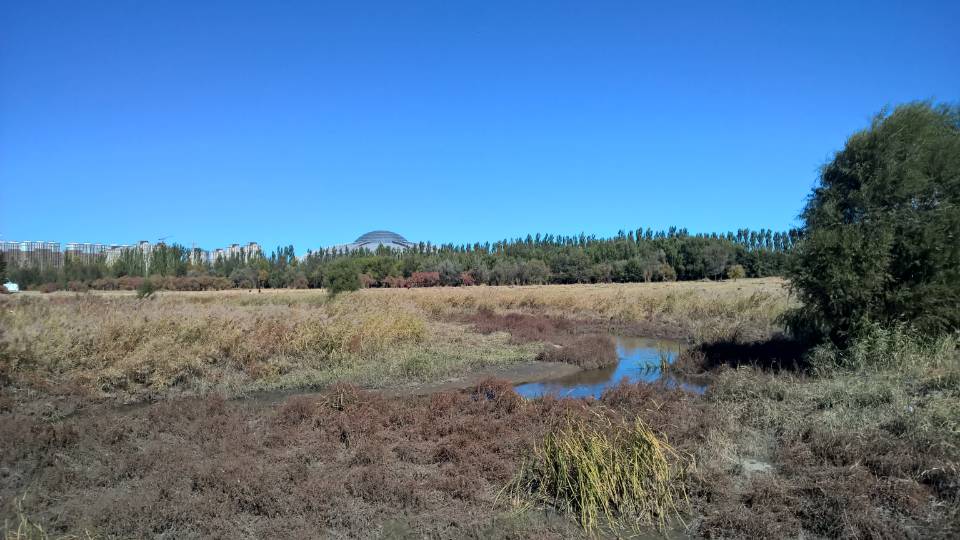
x=736 y=272
x=424 y=279
x=881 y=230
x=49 y=287
x=77 y=286
x=299 y=281
x=665 y=273
x=342 y=276
x=146 y=289
x=394 y=282
x=449 y=273
x=244 y=278
x=133 y=283
x=367 y=281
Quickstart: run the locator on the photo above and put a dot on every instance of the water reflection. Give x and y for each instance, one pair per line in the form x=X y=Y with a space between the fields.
x=639 y=360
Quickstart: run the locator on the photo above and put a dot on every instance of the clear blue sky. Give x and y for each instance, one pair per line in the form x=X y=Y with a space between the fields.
x=312 y=122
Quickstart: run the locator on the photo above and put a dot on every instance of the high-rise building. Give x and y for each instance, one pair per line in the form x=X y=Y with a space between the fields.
x=33 y=254
x=86 y=252
x=47 y=255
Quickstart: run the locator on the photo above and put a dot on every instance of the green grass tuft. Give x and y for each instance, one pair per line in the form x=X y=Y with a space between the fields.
x=605 y=475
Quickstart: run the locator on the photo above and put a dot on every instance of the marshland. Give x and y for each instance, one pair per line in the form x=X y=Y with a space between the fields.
x=288 y=413
x=668 y=270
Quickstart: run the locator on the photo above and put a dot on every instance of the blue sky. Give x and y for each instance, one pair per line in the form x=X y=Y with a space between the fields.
x=312 y=122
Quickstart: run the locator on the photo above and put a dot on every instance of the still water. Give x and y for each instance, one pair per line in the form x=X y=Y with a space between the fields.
x=639 y=360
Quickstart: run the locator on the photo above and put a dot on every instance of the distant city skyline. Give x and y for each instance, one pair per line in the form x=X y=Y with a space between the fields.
x=52 y=254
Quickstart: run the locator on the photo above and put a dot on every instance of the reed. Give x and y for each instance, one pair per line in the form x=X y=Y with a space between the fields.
x=115 y=346
x=119 y=346
x=664 y=356
x=606 y=475
x=696 y=311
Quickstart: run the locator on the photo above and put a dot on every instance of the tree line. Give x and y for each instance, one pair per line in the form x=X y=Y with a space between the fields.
x=637 y=255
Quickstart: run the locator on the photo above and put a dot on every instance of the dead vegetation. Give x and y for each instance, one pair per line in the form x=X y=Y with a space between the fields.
x=561 y=338
x=692 y=311
x=592 y=351
x=871 y=452
x=775 y=448
x=346 y=463
x=760 y=456
x=114 y=346
x=119 y=348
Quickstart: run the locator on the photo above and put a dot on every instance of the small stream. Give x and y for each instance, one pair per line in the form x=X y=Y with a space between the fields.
x=639 y=361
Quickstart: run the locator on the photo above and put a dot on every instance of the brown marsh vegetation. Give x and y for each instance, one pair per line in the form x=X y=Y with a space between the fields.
x=561 y=338
x=116 y=347
x=772 y=449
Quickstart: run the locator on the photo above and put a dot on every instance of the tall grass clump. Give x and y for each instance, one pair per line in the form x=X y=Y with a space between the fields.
x=897 y=348
x=146 y=289
x=604 y=474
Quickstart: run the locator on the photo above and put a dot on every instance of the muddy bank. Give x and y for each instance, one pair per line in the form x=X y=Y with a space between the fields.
x=58 y=408
x=527 y=372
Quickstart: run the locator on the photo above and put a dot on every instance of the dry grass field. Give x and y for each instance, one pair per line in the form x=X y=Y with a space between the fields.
x=773 y=449
x=115 y=346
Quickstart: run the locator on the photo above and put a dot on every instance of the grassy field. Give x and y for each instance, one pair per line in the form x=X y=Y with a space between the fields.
x=795 y=447
x=115 y=346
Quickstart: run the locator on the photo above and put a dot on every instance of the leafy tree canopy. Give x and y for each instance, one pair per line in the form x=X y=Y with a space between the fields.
x=881 y=240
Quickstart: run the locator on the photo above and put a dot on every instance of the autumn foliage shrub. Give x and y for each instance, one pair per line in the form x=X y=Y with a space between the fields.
x=424 y=279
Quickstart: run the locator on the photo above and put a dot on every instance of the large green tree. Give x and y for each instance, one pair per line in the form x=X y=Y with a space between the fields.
x=881 y=238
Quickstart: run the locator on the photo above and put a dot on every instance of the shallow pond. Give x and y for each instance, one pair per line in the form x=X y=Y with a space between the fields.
x=639 y=360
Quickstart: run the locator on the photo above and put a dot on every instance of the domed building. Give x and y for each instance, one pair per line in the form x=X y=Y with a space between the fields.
x=374 y=239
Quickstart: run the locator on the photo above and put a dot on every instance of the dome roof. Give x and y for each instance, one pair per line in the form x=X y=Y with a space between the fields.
x=381 y=237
